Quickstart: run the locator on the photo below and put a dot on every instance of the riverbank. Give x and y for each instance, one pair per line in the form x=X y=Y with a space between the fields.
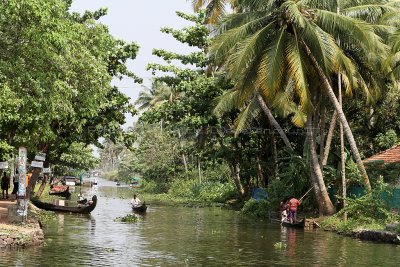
x=21 y=235
x=373 y=231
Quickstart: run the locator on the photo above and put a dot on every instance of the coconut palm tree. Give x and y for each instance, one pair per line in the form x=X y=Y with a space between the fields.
x=158 y=94
x=215 y=9
x=270 y=43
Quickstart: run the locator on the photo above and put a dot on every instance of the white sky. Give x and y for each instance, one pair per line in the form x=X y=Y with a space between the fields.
x=140 y=21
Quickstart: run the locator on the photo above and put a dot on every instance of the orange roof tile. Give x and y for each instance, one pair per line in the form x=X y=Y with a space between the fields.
x=391 y=155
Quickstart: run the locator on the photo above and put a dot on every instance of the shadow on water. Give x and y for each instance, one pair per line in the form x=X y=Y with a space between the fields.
x=180 y=236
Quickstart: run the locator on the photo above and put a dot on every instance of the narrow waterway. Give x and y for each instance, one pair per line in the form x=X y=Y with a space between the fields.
x=168 y=236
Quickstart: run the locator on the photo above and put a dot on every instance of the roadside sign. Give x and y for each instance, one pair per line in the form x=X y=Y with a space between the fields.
x=3 y=165
x=46 y=170
x=37 y=164
x=40 y=156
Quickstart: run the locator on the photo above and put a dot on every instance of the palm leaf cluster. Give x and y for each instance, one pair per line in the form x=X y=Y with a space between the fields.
x=263 y=48
x=288 y=54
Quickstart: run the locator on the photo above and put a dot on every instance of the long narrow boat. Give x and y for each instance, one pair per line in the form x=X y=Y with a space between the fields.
x=140 y=208
x=85 y=209
x=60 y=190
x=299 y=224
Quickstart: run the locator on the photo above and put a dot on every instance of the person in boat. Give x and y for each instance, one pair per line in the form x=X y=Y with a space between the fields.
x=5 y=184
x=283 y=207
x=293 y=204
x=135 y=201
x=81 y=197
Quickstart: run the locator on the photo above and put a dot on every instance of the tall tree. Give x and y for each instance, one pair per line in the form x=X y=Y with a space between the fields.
x=271 y=43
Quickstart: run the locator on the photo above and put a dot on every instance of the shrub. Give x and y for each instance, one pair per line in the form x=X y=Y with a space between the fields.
x=256 y=208
x=152 y=187
x=372 y=206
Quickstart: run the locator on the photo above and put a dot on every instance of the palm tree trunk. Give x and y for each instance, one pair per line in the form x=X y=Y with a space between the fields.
x=346 y=127
x=183 y=155
x=32 y=182
x=259 y=172
x=342 y=155
x=324 y=202
x=42 y=186
x=329 y=138
x=322 y=133
x=275 y=156
x=235 y=169
x=272 y=120
x=199 y=168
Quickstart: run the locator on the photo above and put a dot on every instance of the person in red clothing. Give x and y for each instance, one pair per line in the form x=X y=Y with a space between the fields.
x=293 y=204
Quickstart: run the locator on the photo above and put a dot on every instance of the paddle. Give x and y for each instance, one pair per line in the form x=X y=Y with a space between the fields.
x=306 y=193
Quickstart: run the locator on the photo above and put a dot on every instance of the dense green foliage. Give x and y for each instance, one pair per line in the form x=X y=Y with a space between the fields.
x=249 y=107
x=205 y=121
x=55 y=74
x=371 y=211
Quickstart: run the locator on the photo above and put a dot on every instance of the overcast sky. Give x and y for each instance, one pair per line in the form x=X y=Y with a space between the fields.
x=140 y=21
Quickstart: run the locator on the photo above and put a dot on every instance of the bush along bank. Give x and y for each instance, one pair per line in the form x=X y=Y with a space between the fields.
x=369 y=218
x=185 y=192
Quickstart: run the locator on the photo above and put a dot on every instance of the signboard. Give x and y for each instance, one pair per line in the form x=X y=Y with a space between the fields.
x=3 y=165
x=40 y=156
x=46 y=170
x=37 y=164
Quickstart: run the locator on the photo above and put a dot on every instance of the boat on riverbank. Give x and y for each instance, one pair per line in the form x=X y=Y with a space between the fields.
x=140 y=208
x=84 y=209
x=299 y=224
x=60 y=190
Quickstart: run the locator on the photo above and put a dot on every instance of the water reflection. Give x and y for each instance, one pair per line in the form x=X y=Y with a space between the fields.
x=179 y=236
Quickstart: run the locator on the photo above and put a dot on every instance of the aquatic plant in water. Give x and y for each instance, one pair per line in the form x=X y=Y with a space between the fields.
x=130 y=218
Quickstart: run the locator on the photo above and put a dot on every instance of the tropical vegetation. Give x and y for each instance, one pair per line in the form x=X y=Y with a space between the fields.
x=255 y=104
x=260 y=99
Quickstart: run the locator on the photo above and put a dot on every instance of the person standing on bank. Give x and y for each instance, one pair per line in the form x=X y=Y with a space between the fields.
x=16 y=183
x=5 y=184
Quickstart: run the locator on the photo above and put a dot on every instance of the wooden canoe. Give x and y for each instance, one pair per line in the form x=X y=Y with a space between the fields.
x=299 y=224
x=140 y=209
x=85 y=209
x=83 y=201
x=60 y=190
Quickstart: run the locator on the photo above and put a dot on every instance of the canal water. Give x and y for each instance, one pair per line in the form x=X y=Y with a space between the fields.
x=170 y=236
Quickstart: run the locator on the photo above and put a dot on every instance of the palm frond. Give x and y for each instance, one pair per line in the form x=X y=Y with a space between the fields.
x=371 y=13
x=291 y=10
x=244 y=121
x=228 y=101
x=321 y=44
x=299 y=118
x=297 y=71
x=197 y=4
x=360 y=32
x=227 y=42
x=214 y=11
x=271 y=67
x=248 y=50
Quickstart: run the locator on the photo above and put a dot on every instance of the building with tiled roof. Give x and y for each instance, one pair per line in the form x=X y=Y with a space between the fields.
x=391 y=155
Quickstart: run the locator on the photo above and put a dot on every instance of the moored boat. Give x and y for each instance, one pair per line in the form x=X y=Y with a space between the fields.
x=60 y=190
x=299 y=224
x=85 y=209
x=140 y=208
x=83 y=201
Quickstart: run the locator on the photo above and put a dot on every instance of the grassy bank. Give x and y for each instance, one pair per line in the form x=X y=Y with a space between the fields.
x=185 y=192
